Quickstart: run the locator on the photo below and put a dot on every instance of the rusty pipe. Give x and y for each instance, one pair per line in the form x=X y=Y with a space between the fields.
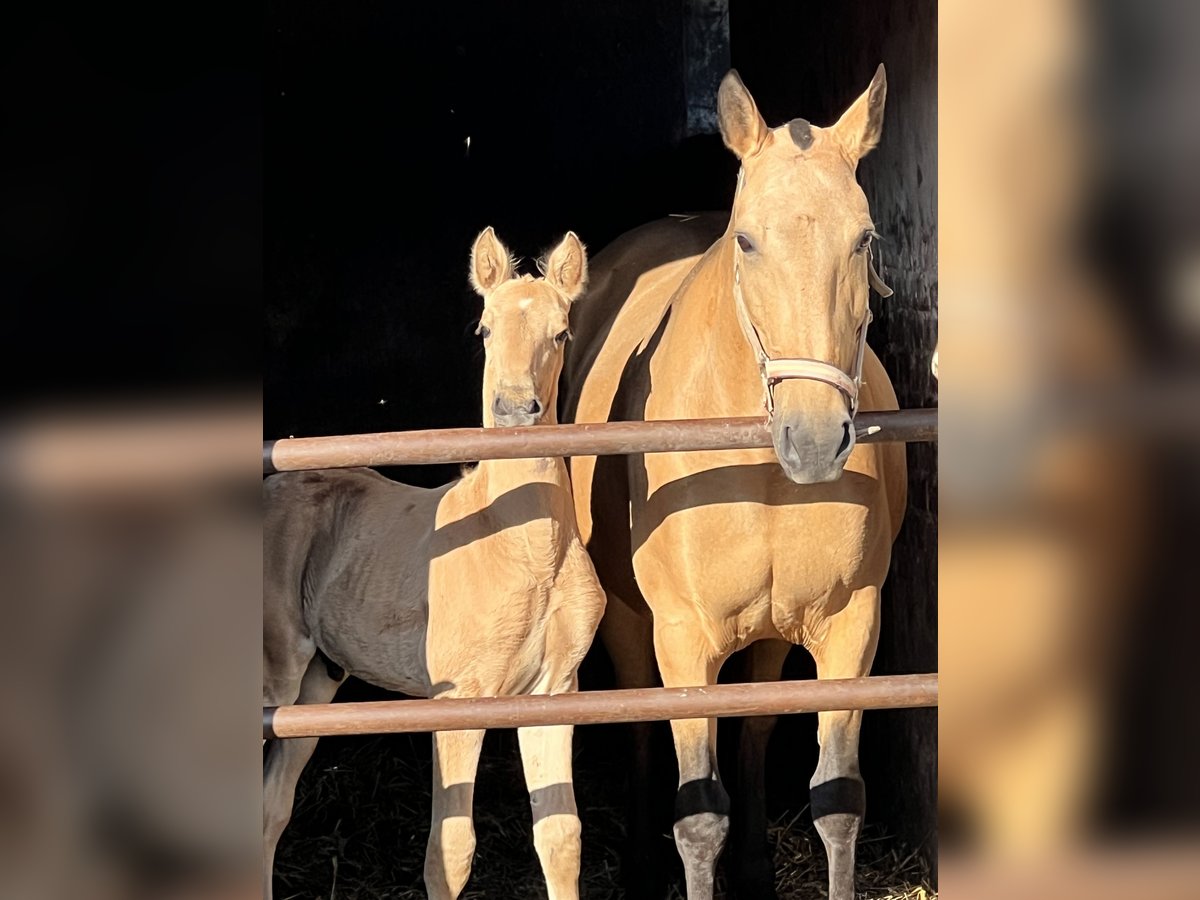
x=453 y=445
x=600 y=707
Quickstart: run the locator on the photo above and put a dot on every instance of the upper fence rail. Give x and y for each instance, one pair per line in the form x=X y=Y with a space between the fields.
x=458 y=445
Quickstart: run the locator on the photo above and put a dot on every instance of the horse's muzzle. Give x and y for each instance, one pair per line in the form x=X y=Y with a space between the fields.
x=812 y=451
x=508 y=412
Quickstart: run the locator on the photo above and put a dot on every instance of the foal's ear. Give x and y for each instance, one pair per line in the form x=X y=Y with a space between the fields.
x=860 y=126
x=566 y=266
x=491 y=263
x=742 y=126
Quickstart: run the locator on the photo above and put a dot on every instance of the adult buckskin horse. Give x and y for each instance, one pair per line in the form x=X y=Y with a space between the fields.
x=475 y=589
x=749 y=547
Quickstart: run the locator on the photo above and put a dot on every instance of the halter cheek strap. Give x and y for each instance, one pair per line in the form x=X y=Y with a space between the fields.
x=773 y=371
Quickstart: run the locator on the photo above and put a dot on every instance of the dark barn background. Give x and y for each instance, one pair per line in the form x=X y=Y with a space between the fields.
x=594 y=117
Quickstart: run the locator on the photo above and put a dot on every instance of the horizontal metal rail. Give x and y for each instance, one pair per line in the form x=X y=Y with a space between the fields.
x=454 y=445
x=600 y=707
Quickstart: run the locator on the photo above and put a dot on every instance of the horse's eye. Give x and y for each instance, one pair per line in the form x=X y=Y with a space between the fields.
x=484 y=332
x=864 y=242
x=562 y=336
x=745 y=243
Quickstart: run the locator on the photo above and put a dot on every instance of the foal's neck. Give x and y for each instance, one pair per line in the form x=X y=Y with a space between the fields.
x=498 y=477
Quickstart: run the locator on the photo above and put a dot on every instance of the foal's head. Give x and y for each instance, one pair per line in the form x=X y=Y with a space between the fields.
x=524 y=328
x=800 y=238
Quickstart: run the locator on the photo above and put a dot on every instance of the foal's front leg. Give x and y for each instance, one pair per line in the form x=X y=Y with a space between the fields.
x=451 y=846
x=546 y=755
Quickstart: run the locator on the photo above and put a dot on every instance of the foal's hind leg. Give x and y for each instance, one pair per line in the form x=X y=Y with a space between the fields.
x=837 y=794
x=286 y=759
x=546 y=755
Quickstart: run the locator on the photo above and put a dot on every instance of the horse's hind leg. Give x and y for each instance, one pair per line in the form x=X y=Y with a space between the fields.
x=754 y=869
x=837 y=794
x=629 y=640
x=286 y=759
x=451 y=847
x=546 y=756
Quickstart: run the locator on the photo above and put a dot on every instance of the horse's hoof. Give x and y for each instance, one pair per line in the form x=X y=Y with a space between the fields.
x=754 y=881
x=644 y=888
x=643 y=877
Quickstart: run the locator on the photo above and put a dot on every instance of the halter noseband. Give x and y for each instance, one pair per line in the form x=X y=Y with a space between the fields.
x=773 y=371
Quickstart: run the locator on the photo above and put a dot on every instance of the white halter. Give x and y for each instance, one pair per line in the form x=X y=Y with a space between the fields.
x=773 y=371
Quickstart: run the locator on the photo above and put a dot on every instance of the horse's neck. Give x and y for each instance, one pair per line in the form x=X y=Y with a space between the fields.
x=705 y=344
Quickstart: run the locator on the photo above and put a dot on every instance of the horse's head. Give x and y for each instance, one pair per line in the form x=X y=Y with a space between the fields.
x=524 y=328
x=800 y=238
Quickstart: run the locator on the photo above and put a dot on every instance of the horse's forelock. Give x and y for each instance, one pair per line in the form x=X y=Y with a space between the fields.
x=801 y=133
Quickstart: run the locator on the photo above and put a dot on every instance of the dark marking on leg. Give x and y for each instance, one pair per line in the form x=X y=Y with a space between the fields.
x=839 y=795
x=457 y=799
x=705 y=795
x=801 y=132
x=701 y=827
x=553 y=800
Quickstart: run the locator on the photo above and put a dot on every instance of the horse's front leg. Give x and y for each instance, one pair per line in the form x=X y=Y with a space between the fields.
x=687 y=659
x=546 y=756
x=451 y=846
x=836 y=791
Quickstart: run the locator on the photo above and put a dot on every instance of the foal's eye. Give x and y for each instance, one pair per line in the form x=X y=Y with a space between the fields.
x=562 y=336
x=484 y=332
x=864 y=242
x=745 y=243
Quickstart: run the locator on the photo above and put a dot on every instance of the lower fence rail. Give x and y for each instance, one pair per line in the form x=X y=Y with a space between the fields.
x=600 y=707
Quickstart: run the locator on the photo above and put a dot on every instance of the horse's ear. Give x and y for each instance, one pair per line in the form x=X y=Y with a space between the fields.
x=566 y=267
x=491 y=263
x=859 y=128
x=742 y=126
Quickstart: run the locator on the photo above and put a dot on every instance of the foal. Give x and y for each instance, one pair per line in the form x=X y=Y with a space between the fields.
x=479 y=588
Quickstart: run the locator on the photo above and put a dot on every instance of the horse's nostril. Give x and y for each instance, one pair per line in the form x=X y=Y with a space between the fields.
x=847 y=435
x=534 y=407
x=497 y=405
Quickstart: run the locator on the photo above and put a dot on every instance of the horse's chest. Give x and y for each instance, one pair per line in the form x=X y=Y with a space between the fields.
x=746 y=552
